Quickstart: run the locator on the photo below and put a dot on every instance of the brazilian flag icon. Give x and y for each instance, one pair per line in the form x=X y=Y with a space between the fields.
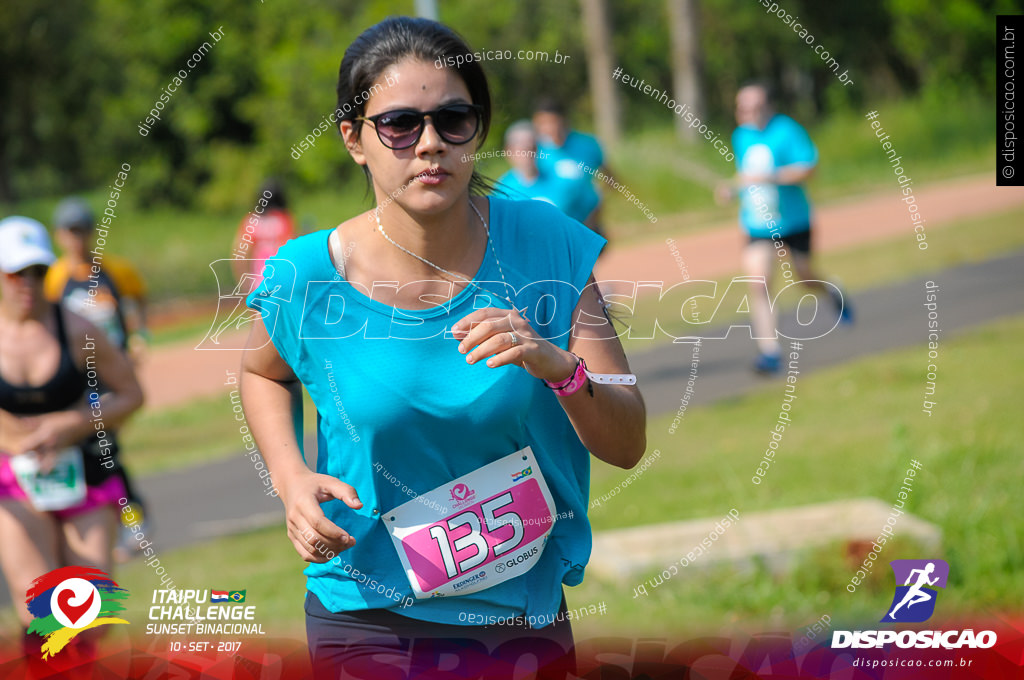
x=237 y=596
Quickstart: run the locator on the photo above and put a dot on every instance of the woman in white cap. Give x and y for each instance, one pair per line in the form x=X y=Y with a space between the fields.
x=58 y=484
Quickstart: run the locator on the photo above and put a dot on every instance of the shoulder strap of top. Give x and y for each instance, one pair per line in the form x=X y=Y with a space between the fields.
x=62 y=335
x=337 y=254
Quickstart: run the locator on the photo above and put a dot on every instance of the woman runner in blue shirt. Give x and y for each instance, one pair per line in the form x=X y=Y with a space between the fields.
x=446 y=339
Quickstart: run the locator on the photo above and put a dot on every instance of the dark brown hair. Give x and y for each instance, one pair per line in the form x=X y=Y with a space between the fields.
x=395 y=39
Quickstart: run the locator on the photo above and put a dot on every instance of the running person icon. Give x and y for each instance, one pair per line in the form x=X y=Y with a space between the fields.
x=916 y=594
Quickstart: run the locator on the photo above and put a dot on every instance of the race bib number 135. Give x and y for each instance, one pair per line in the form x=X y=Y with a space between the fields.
x=498 y=522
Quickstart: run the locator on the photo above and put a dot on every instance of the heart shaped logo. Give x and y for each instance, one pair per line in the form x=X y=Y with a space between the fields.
x=73 y=612
x=75 y=603
x=459 y=491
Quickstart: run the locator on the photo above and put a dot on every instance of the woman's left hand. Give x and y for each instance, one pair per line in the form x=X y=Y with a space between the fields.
x=48 y=433
x=503 y=337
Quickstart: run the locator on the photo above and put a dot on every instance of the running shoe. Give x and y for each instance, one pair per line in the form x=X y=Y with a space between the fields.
x=843 y=306
x=767 y=364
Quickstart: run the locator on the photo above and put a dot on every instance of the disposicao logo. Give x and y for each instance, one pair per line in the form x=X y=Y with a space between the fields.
x=68 y=600
x=914 y=602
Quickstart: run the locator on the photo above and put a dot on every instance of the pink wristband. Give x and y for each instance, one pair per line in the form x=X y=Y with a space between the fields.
x=573 y=384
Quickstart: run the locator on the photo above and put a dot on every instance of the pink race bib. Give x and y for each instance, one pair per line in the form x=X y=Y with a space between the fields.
x=499 y=519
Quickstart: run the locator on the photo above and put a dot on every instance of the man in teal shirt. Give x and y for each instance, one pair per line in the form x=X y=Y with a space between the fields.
x=525 y=181
x=573 y=156
x=774 y=158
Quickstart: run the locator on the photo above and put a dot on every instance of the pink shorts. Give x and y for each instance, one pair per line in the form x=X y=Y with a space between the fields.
x=107 y=493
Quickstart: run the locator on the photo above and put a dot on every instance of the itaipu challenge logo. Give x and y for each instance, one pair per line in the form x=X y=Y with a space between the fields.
x=69 y=600
x=914 y=601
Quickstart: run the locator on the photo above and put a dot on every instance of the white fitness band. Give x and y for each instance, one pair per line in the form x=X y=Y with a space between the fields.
x=612 y=378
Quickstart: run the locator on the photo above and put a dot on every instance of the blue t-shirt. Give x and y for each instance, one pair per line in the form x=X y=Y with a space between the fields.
x=565 y=162
x=394 y=395
x=567 y=196
x=783 y=142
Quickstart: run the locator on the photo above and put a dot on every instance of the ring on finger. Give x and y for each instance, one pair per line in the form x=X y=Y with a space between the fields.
x=513 y=339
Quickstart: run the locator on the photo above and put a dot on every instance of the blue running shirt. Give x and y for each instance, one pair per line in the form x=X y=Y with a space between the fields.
x=400 y=412
x=564 y=162
x=783 y=142
x=567 y=196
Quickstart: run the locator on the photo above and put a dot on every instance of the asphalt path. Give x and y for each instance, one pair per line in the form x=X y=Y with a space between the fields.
x=885 y=318
x=225 y=497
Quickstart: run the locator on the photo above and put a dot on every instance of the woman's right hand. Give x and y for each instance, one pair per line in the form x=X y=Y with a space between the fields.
x=316 y=538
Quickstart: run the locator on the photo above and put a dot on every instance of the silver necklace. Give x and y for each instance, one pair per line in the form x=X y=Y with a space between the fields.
x=380 y=228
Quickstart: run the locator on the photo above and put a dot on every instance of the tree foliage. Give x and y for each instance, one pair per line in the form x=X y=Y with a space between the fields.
x=80 y=77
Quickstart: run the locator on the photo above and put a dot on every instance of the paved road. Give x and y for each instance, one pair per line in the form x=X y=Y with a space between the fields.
x=887 y=317
x=222 y=498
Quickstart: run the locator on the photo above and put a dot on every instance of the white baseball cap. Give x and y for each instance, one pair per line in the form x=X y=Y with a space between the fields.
x=23 y=243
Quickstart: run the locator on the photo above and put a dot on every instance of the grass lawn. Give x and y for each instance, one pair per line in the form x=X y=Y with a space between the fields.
x=855 y=429
x=203 y=430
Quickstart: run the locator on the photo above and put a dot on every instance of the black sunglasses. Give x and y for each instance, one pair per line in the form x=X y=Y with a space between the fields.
x=402 y=128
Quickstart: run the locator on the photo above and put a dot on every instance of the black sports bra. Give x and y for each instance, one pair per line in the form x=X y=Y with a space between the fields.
x=58 y=393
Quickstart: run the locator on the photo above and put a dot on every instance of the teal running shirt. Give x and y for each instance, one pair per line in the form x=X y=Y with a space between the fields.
x=400 y=413
x=772 y=210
